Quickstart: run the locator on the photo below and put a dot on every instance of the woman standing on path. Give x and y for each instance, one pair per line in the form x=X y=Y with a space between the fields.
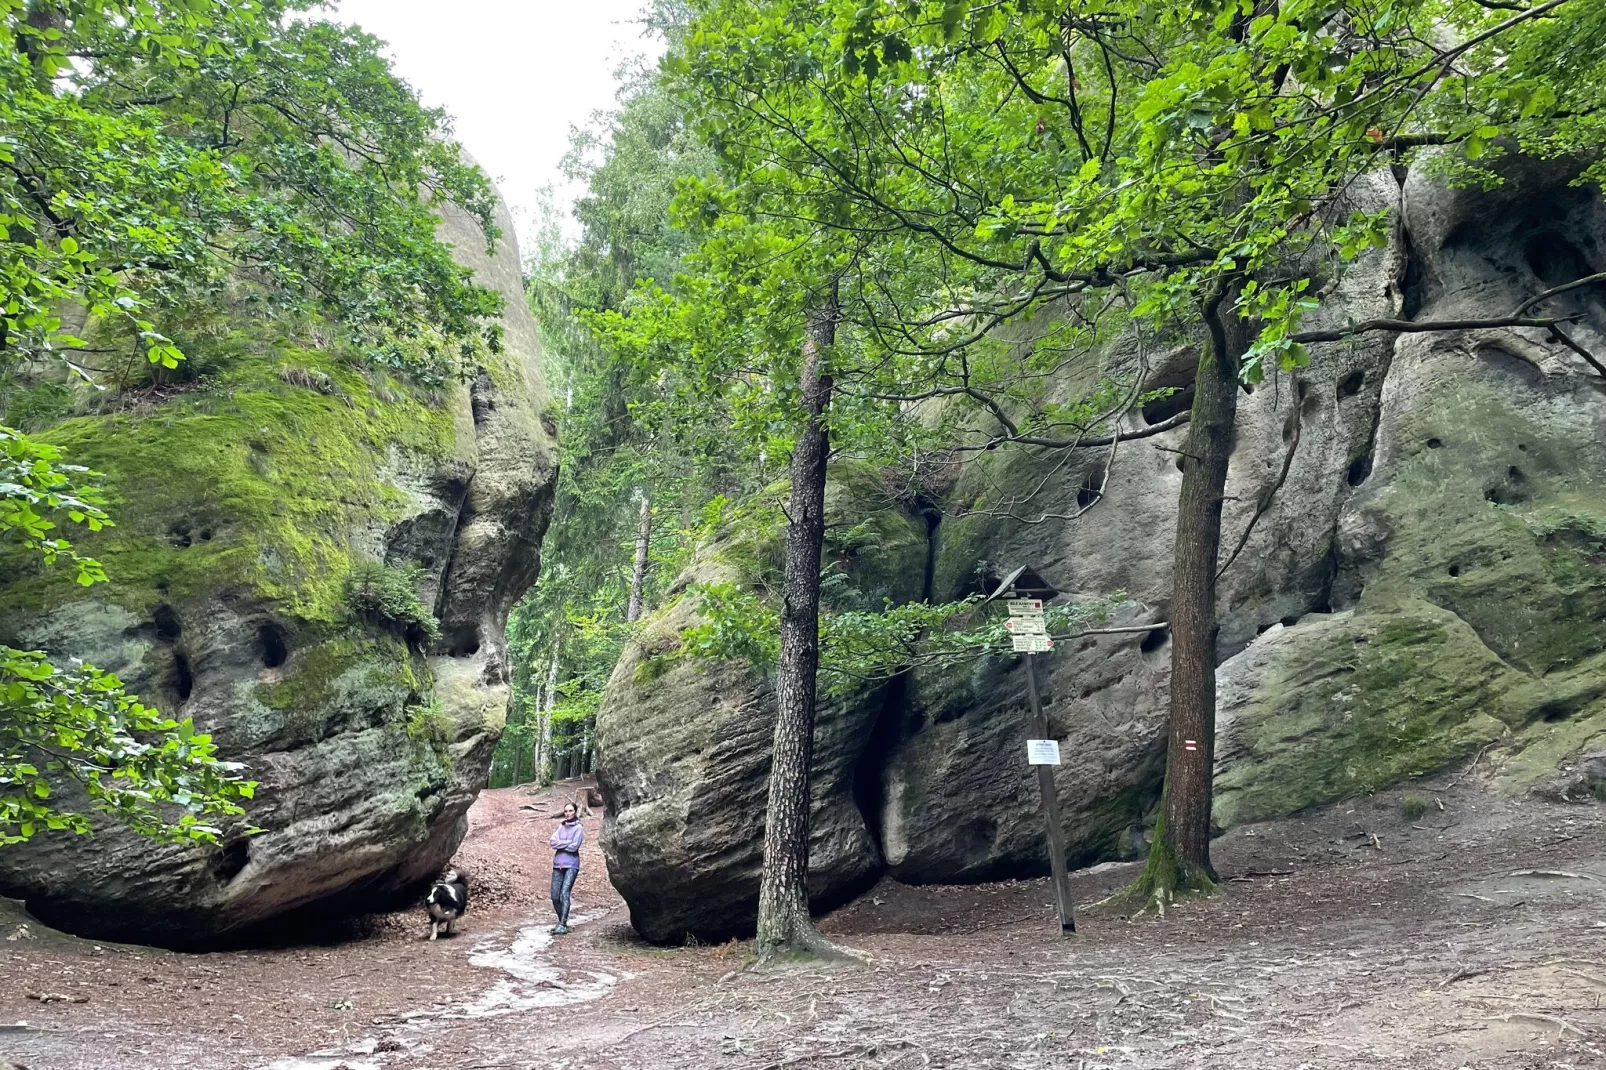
x=565 y=842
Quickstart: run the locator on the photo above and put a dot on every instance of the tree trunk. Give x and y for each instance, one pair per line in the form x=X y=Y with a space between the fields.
x=1179 y=859
x=643 y=541
x=518 y=754
x=543 y=735
x=783 y=898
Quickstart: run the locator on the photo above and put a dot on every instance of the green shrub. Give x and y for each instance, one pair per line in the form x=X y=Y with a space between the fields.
x=1413 y=807
x=390 y=597
x=1600 y=790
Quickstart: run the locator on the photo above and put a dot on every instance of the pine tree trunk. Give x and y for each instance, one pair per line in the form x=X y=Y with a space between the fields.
x=643 y=542
x=1179 y=859
x=783 y=899
x=518 y=754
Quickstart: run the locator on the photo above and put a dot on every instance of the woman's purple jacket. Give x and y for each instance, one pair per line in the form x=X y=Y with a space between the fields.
x=566 y=841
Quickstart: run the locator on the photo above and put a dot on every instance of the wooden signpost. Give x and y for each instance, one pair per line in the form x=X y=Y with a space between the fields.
x=1028 y=633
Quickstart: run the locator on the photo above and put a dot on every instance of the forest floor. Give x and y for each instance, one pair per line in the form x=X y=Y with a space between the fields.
x=1355 y=937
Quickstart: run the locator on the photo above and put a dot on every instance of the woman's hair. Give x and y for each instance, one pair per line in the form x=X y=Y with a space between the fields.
x=570 y=806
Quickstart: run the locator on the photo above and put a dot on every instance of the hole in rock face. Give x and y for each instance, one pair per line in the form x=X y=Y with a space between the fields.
x=464 y=643
x=1351 y=384
x=229 y=860
x=1154 y=640
x=1179 y=462
x=1162 y=409
x=206 y=534
x=1359 y=469
x=167 y=623
x=1516 y=475
x=1290 y=621
x=1558 y=710
x=1434 y=443
x=1554 y=259
x=1455 y=570
x=271 y=646
x=1088 y=492
x=1523 y=447
x=179 y=535
x=183 y=679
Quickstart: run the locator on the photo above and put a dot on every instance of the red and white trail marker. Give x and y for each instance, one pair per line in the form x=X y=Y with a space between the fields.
x=1190 y=744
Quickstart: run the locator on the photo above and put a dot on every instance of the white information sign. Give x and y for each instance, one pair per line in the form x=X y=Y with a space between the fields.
x=1042 y=752
x=1031 y=644
x=1025 y=607
x=1026 y=626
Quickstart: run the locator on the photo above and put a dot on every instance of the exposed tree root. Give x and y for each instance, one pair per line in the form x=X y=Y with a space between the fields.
x=1165 y=879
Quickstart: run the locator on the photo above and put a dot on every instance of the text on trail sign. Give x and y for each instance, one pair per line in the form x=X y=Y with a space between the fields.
x=1042 y=752
x=1028 y=631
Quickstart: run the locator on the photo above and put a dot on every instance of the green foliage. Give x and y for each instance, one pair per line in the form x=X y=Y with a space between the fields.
x=389 y=596
x=158 y=151
x=1413 y=807
x=76 y=725
x=34 y=486
x=736 y=625
x=857 y=647
x=1124 y=158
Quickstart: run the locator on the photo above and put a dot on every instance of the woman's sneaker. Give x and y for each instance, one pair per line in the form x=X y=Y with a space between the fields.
x=560 y=930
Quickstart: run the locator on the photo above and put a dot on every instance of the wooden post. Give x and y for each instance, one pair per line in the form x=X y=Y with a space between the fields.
x=1037 y=728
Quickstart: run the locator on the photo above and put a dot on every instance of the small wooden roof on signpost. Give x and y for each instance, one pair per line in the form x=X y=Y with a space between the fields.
x=1024 y=582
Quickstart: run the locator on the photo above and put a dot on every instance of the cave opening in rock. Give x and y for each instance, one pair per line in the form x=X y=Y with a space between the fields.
x=869 y=771
x=183 y=679
x=1179 y=401
x=1554 y=259
x=1154 y=640
x=227 y=862
x=1359 y=469
x=271 y=645
x=1434 y=443
x=1351 y=384
x=167 y=624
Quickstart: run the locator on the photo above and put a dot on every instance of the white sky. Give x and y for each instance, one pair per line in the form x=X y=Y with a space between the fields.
x=515 y=75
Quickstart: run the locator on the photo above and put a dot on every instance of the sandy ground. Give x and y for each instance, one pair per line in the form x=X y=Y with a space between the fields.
x=1472 y=936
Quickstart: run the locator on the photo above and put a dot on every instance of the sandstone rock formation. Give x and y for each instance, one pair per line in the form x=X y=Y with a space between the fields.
x=242 y=507
x=683 y=744
x=1425 y=578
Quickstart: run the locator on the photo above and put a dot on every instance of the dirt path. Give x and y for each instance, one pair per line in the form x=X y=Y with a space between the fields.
x=1472 y=936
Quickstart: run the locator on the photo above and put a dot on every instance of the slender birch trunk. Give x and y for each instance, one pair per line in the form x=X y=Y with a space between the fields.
x=643 y=543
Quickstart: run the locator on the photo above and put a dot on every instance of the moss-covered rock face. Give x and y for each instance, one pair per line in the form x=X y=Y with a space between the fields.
x=683 y=744
x=242 y=505
x=1470 y=561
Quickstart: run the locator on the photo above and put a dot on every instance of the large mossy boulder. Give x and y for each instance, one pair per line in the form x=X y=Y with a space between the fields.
x=1413 y=564
x=683 y=744
x=245 y=501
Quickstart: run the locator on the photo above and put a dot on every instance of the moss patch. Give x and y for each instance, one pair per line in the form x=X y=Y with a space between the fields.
x=1353 y=704
x=252 y=485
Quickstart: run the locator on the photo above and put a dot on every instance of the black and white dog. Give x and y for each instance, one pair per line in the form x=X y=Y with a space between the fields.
x=447 y=901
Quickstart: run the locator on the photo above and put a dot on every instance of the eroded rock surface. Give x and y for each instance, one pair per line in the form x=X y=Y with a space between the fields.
x=241 y=509
x=1422 y=580
x=683 y=744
